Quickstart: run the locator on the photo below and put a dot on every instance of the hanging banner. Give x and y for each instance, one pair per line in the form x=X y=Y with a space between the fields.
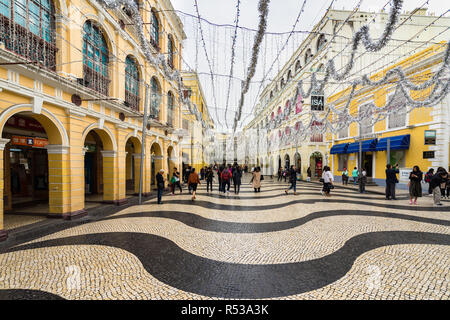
x=299 y=104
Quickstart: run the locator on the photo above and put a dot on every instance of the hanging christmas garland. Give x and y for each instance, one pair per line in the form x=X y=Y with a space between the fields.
x=233 y=45
x=263 y=9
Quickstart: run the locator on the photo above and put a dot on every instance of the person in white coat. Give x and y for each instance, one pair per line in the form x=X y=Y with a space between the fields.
x=328 y=180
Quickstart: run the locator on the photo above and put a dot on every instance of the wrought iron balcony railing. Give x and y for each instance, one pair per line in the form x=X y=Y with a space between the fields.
x=95 y=80
x=132 y=100
x=27 y=44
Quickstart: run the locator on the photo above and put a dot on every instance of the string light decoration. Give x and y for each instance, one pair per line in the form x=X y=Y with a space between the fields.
x=362 y=35
x=439 y=91
x=157 y=60
x=207 y=59
x=233 y=47
x=281 y=50
x=399 y=103
x=263 y=8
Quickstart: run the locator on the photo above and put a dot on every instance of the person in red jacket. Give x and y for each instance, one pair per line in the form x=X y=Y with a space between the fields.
x=226 y=179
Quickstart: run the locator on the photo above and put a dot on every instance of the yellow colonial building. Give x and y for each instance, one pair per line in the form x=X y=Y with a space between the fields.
x=420 y=137
x=197 y=123
x=72 y=94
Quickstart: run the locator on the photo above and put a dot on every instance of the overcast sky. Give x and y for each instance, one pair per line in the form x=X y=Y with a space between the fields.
x=282 y=15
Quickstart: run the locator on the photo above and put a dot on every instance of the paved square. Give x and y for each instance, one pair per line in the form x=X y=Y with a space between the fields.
x=252 y=245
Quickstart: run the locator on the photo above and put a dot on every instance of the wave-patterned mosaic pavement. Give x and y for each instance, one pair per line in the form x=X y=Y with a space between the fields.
x=252 y=246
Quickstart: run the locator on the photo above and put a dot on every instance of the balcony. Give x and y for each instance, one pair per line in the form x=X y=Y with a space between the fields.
x=132 y=101
x=27 y=44
x=316 y=137
x=155 y=45
x=95 y=80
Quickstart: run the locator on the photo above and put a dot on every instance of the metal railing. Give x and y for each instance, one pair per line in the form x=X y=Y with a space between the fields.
x=95 y=80
x=27 y=44
x=132 y=100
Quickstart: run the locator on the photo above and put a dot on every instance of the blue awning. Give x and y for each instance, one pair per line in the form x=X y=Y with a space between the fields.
x=396 y=143
x=367 y=145
x=339 y=148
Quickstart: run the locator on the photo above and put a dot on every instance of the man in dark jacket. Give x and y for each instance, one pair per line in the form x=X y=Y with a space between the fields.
x=292 y=180
x=209 y=179
x=160 y=184
x=439 y=178
x=391 y=180
x=237 y=175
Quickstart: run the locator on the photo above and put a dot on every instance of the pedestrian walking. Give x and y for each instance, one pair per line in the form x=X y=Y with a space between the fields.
x=443 y=184
x=160 y=184
x=447 y=184
x=292 y=180
x=355 y=174
x=280 y=172
x=186 y=176
x=219 y=177
x=415 y=186
x=175 y=181
x=327 y=178
x=193 y=181
x=202 y=173
x=230 y=170
x=285 y=174
x=256 y=179
x=428 y=177
x=345 y=177
x=362 y=179
x=226 y=180
x=237 y=179
x=435 y=183
x=308 y=173
x=209 y=175
x=391 y=180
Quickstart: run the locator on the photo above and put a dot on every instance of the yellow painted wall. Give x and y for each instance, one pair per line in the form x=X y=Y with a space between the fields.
x=68 y=129
x=417 y=121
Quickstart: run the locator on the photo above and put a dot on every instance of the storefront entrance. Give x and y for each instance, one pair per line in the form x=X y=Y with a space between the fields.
x=25 y=164
x=367 y=163
x=316 y=162
x=93 y=167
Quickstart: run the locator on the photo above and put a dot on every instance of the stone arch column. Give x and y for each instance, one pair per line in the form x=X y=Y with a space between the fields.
x=111 y=190
x=3 y=233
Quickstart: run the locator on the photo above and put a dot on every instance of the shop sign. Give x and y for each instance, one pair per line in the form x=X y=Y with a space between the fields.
x=430 y=136
x=29 y=141
x=317 y=103
x=403 y=175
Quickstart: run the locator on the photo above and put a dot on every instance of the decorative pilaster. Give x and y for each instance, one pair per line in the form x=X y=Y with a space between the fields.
x=3 y=233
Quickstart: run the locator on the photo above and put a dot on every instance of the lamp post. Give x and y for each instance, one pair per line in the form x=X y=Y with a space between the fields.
x=144 y=127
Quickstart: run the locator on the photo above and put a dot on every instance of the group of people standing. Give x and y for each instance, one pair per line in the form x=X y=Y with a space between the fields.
x=438 y=183
x=359 y=178
x=226 y=175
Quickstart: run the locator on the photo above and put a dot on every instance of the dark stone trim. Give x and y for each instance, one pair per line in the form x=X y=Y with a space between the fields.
x=144 y=194
x=178 y=268
x=26 y=294
x=74 y=215
x=120 y=202
x=3 y=235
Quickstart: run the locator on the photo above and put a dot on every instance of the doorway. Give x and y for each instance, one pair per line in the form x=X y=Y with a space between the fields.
x=316 y=165
x=367 y=163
